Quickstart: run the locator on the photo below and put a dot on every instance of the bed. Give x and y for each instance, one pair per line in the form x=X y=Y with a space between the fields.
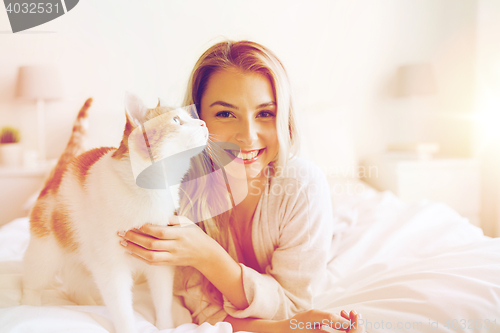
x=405 y=267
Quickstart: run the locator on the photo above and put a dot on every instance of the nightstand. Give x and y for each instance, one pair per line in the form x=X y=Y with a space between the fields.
x=454 y=181
x=16 y=186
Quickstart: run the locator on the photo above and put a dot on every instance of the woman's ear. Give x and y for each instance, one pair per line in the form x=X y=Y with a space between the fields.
x=135 y=109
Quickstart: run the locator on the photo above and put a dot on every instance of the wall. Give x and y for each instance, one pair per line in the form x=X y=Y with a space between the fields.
x=487 y=143
x=339 y=53
x=442 y=33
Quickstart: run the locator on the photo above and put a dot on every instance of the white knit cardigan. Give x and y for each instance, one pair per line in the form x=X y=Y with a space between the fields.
x=292 y=231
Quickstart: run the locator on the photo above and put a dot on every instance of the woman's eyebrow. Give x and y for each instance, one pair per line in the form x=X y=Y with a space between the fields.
x=227 y=105
x=265 y=105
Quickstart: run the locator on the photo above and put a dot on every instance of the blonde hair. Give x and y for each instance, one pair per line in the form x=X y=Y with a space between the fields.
x=246 y=56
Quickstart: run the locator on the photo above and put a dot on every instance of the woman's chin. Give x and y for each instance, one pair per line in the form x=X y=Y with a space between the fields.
x=244 y=171
x=254 y=171
x=236 y=170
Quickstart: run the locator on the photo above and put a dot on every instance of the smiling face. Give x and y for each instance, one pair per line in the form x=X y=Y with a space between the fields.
x=240 y=108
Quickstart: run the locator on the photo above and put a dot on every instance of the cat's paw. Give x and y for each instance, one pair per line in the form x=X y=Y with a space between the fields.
x=31 y=297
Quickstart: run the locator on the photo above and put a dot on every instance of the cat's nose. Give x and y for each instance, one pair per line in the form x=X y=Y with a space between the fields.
x=203 y=124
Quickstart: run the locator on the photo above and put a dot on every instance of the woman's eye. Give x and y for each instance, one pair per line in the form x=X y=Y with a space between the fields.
x=177 y=120
x=224 y=114
x=266 y=114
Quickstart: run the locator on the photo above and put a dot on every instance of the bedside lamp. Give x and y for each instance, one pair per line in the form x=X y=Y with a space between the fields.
x=39 y=83
x=415 y=80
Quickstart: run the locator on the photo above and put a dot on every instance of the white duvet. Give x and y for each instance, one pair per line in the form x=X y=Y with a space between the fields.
x=405 y=268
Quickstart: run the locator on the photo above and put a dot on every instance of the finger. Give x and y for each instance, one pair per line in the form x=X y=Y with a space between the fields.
x=148 y=242
x=335 y=321
x=354 y=318
x=352 y=315
x=344 y=314
x=144 y=260
x=180 y=221
x=160 y=257
x=158 y=231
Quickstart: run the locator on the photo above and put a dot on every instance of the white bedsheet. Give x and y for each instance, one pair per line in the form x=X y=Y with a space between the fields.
x=406 y=268
x=418 y=266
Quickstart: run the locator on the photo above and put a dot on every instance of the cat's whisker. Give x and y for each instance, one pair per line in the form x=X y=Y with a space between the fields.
x=215 y=137
x=215 y=152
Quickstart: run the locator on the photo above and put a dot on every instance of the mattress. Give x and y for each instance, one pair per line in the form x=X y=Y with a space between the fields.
x=405 y=267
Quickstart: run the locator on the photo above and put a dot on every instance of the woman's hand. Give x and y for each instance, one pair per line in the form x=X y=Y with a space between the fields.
x=311 y=321
x=354 y=317
x=185 y=244
x=182 y=243
x=318 y=321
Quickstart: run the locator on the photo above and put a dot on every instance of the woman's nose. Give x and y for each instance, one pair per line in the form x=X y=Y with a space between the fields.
x=247 y=134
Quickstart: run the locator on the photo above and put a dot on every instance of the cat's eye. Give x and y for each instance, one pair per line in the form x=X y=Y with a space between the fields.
x=177 y=120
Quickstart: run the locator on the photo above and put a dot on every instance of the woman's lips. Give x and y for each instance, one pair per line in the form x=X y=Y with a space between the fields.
x=249 y=161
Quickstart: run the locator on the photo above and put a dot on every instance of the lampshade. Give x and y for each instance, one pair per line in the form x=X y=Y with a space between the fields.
x=415 y=79
x=38 y=82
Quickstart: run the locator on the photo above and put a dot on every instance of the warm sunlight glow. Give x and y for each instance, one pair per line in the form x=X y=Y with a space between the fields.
x=489 y=120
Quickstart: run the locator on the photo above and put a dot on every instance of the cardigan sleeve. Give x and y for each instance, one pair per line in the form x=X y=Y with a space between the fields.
x=302 y=236
x=300 y=257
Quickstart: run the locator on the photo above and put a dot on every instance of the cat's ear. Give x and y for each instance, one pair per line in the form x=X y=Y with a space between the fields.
x=135 y=109
x=161 y=102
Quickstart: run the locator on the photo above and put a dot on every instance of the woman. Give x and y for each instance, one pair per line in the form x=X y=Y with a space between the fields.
x=262 y=258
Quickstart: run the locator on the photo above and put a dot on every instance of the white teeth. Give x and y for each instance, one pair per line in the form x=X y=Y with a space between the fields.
x=245 y=156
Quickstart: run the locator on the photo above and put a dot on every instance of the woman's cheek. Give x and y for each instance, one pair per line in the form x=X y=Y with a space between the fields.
x=220 y=132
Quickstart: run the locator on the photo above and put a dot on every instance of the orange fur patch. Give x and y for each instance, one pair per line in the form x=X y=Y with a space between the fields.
x=158 y=111
x=85 y=107
x=123 y=148
x=140 y=144
x=155 y=134
x=45 y=220
x=73 y=148
x=61 y=227
x=53 y=182
x=159 y=130
x=84 y=162
x=38 y=221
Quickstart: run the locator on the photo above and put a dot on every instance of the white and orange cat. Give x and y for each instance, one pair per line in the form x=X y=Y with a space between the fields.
x=92 y=195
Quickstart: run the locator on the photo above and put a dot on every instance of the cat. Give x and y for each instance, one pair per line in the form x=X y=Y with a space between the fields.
x=90 y=196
